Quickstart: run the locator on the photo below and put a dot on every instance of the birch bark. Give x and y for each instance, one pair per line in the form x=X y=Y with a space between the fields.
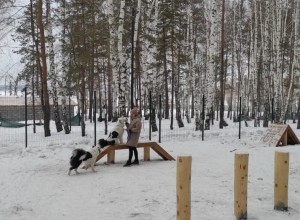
x=294 y=58
x=277 y=9
x=52 y=73
x=211 y=58
x=266 y=63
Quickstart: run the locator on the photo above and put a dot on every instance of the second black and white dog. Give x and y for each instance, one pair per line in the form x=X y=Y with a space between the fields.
x=111 y=139
x=88 y=157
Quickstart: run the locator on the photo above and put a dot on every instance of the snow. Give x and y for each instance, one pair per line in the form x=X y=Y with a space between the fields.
x=34 y=183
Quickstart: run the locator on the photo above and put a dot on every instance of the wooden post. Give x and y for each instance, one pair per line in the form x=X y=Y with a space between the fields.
x=146 y=153
x=281 y=176
x=240 y=185
x=183 y=187
x=111 y=156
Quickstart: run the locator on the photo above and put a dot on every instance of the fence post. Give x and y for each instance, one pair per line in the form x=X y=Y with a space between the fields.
x=281 y=176
x=150 y=114
x=240 y=117
x=26 y=118
x=183 y=187
x=273 y=118
x=203 y=116
x=240 y=185
x=160 y=116
x=95 y=119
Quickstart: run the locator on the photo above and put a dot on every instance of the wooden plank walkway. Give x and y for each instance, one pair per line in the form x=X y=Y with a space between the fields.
x=110 y=151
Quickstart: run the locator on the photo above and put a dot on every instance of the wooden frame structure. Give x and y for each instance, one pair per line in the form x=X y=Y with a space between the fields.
x=110 y=151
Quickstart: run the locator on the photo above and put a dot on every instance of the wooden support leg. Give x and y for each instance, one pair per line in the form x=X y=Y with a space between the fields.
x=146 y=153
x=111 y=156
x=284 y=139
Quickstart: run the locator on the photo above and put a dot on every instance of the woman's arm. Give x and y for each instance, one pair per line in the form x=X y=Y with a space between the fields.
x=135 y=126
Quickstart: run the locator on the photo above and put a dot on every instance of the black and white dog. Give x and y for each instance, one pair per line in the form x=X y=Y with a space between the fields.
x=88 y=157
x=116 y=136
x=111 y=140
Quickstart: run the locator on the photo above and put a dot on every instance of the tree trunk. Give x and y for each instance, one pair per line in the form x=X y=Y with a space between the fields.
x=222 y=74
x=82 y=101
x=44 y=74
x=166 y=74
x=298 y=114
x=176 y=88
x=65 y=115
x=57 y=120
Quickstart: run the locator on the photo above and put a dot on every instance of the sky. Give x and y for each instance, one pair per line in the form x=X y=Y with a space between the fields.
x=34 y=183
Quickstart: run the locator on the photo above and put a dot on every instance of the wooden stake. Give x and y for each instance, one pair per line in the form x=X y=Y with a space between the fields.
x=281 y=176
x=183 y=187
x=240 y=185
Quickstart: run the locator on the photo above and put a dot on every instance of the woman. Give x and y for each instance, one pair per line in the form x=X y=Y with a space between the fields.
x=134 y=130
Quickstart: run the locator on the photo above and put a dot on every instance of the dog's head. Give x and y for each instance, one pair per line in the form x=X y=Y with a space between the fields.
x=121 y=121
x=102 y=142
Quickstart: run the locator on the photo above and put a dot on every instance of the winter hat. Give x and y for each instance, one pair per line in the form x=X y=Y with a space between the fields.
x=134 y=111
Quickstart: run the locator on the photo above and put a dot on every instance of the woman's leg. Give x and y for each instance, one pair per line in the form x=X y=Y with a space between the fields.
x=130 y=154
x=128 y=163
x=136 y=156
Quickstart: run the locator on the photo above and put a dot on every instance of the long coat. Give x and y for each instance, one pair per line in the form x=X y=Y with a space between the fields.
x=134 y=130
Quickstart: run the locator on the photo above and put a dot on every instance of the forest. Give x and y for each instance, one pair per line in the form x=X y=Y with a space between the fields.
x=200 y=58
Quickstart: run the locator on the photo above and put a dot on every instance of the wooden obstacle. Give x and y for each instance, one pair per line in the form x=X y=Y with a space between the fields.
x=280 y=135
x=110 y=151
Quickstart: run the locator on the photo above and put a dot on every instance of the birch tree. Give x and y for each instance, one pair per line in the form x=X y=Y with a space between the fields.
x=52 y=73
x=294 y=58
x=112 y=75
x=266 y=42
x=190 y=41
x=65 y=85
x=150 y=79
x=254 y=61
x=276 y=66
x=211 y=57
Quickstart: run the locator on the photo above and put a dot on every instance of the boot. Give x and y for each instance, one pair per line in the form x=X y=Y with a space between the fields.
x=127 y=164
x=136 y=162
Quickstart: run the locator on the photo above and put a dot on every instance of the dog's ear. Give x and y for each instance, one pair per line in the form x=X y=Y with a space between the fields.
x=102 y=142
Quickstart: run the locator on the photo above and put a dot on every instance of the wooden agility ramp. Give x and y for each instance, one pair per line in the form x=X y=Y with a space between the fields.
x=110 y=151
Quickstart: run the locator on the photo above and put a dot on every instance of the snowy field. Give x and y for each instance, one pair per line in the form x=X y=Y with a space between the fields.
x=34 y=184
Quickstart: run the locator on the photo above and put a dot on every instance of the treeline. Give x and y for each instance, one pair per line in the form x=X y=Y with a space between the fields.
x=179 y=50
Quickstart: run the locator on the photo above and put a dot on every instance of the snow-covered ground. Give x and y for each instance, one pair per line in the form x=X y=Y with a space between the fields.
x=34 y=183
